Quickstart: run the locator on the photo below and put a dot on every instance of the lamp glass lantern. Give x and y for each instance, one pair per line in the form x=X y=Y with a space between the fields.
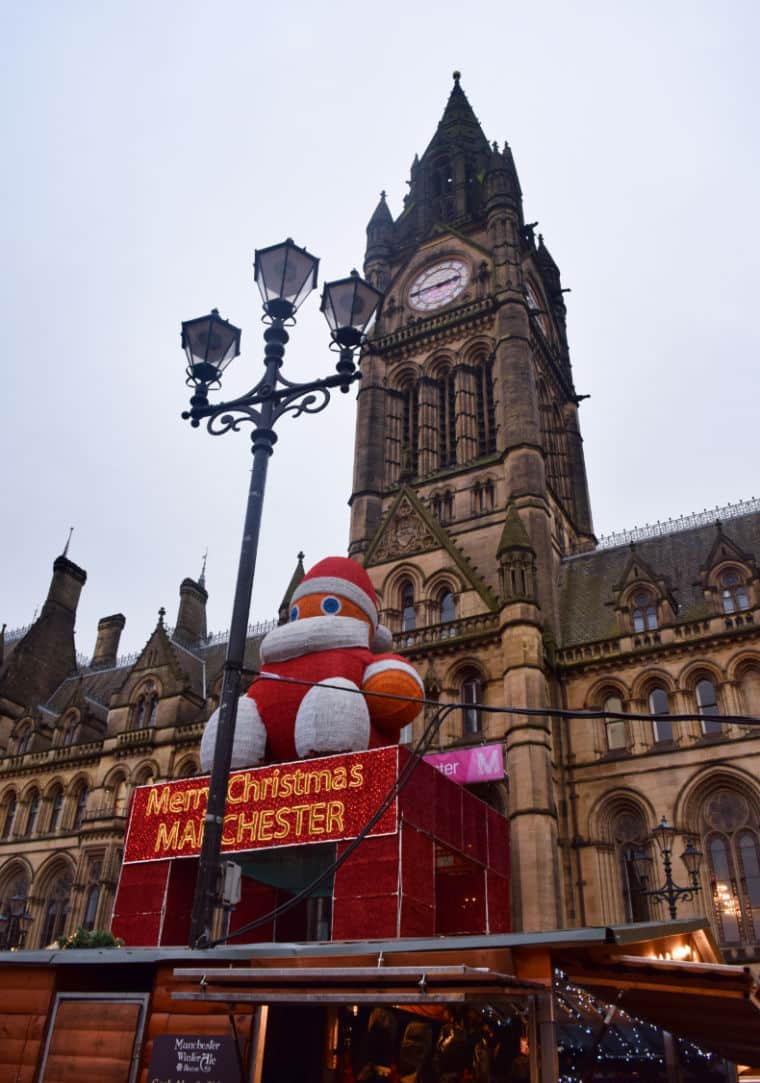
x=692 y=859
x=285 y=275
x=642 y=863
x=349 y=304
x=664 y=833
x=210 y=343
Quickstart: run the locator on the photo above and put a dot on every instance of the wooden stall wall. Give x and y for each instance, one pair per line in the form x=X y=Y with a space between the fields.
x=169 y=1016
x=25 y=996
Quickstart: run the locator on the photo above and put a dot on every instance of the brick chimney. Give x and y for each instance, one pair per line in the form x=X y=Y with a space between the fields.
x=107 y=642
x=191 y=615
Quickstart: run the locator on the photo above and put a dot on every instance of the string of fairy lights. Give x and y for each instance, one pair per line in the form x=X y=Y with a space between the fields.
x=582 y=1038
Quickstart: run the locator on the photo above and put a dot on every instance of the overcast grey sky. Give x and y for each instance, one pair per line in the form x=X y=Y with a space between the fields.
x=151 y=147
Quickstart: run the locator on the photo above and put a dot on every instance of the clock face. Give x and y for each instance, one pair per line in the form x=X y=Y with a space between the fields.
x=438 y=285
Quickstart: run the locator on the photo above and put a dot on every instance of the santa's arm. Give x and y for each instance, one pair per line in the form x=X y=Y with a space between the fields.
x=392 y=676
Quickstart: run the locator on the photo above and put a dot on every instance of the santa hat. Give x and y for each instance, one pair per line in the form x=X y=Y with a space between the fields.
x=346 y=578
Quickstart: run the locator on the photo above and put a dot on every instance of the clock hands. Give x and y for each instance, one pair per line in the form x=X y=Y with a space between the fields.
x=435 y=286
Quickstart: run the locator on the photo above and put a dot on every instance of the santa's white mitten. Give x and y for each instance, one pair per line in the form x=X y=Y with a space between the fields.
x=249 y=743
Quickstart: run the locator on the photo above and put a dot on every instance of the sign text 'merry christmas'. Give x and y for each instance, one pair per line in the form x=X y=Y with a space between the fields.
x=316 y=800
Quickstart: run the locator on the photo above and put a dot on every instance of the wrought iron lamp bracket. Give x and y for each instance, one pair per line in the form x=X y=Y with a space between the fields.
x=286 y=397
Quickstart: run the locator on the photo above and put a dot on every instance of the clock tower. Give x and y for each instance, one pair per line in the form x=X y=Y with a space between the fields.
x=469 y=478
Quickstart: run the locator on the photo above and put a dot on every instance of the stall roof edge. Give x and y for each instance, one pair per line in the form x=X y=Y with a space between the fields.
x=591 y=936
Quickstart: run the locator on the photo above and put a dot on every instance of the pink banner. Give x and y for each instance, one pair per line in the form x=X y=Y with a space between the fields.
x=466 y=765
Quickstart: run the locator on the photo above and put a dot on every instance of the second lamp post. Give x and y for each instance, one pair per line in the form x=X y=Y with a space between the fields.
x=670 y=892
x=285 y=275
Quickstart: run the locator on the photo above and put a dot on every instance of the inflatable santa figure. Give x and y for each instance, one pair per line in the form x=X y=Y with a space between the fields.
x=320 y=674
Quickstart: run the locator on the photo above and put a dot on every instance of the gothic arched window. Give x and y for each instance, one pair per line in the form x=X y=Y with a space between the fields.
x=749 y=688
x=80 y=807
x=732 y=845
x=733 y=593
x=616 y=729
x=629 y=833
x=93 y=897
x=13 y=911
x=447 y=421
x=152 y=708
x=443 y=506
x=33 y=814
x=447 y=610
x=662 y=727
x=644 y=614
x=408 y=611
x=410 y=431
x=56 y=909
x=8 y=815
x=56 y=800
x=486 y=409
x=138 y=714
x=471 y=695
x=707 y=702
x=24 y=739
x=120 y=794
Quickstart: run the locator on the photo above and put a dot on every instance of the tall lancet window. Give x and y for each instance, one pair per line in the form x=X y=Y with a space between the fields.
x=410 y=432
x=486 y=410
x=447 y=421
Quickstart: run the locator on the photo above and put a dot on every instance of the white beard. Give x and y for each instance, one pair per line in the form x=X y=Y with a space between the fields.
x=312 y=634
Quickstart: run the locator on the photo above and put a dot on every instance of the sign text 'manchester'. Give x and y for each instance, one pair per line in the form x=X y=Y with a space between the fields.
x=318 y=800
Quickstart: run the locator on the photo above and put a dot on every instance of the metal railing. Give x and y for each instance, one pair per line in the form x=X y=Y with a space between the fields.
x=683 y=522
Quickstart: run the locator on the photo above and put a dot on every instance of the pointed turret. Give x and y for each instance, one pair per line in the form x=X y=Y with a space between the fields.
x=295 y=579
x=379 y=245
x=501 y=184
x=517 y=560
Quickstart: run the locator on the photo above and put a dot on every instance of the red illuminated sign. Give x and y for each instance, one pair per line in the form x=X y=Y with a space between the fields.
x=287 y=804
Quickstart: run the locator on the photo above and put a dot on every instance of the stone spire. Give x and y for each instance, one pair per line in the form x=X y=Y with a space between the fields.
x=517 y=560
x=379 y=245
x=295 y=579
x=459 y=121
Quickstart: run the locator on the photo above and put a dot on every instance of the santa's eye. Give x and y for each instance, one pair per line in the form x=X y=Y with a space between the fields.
x=294 y=613
x=330 y=605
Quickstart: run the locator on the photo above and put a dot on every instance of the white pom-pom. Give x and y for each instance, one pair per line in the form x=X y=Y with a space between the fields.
x=249 y=743
x=382 y=640
x=332 y=720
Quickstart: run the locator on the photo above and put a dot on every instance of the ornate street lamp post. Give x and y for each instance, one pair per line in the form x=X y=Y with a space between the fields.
x=285 y=275
x=670 y=892
x=15 y=920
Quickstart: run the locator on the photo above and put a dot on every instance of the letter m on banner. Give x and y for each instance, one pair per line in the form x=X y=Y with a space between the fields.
x=489 y=762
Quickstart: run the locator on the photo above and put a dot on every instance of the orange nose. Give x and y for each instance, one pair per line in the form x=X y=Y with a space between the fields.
x=326 y=605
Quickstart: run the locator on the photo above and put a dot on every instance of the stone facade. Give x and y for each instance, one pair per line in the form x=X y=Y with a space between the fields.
x=76 y=737
x=470 y=508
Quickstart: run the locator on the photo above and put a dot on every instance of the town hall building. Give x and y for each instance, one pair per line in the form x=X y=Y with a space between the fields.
x=471 y=512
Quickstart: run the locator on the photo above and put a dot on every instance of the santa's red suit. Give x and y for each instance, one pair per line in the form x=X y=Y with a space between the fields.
x=317 y=692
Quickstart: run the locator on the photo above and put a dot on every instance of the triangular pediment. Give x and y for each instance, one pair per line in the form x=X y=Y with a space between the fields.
x=724 y=548
x=637 y=570
x=408 y=528
x=160 y=656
